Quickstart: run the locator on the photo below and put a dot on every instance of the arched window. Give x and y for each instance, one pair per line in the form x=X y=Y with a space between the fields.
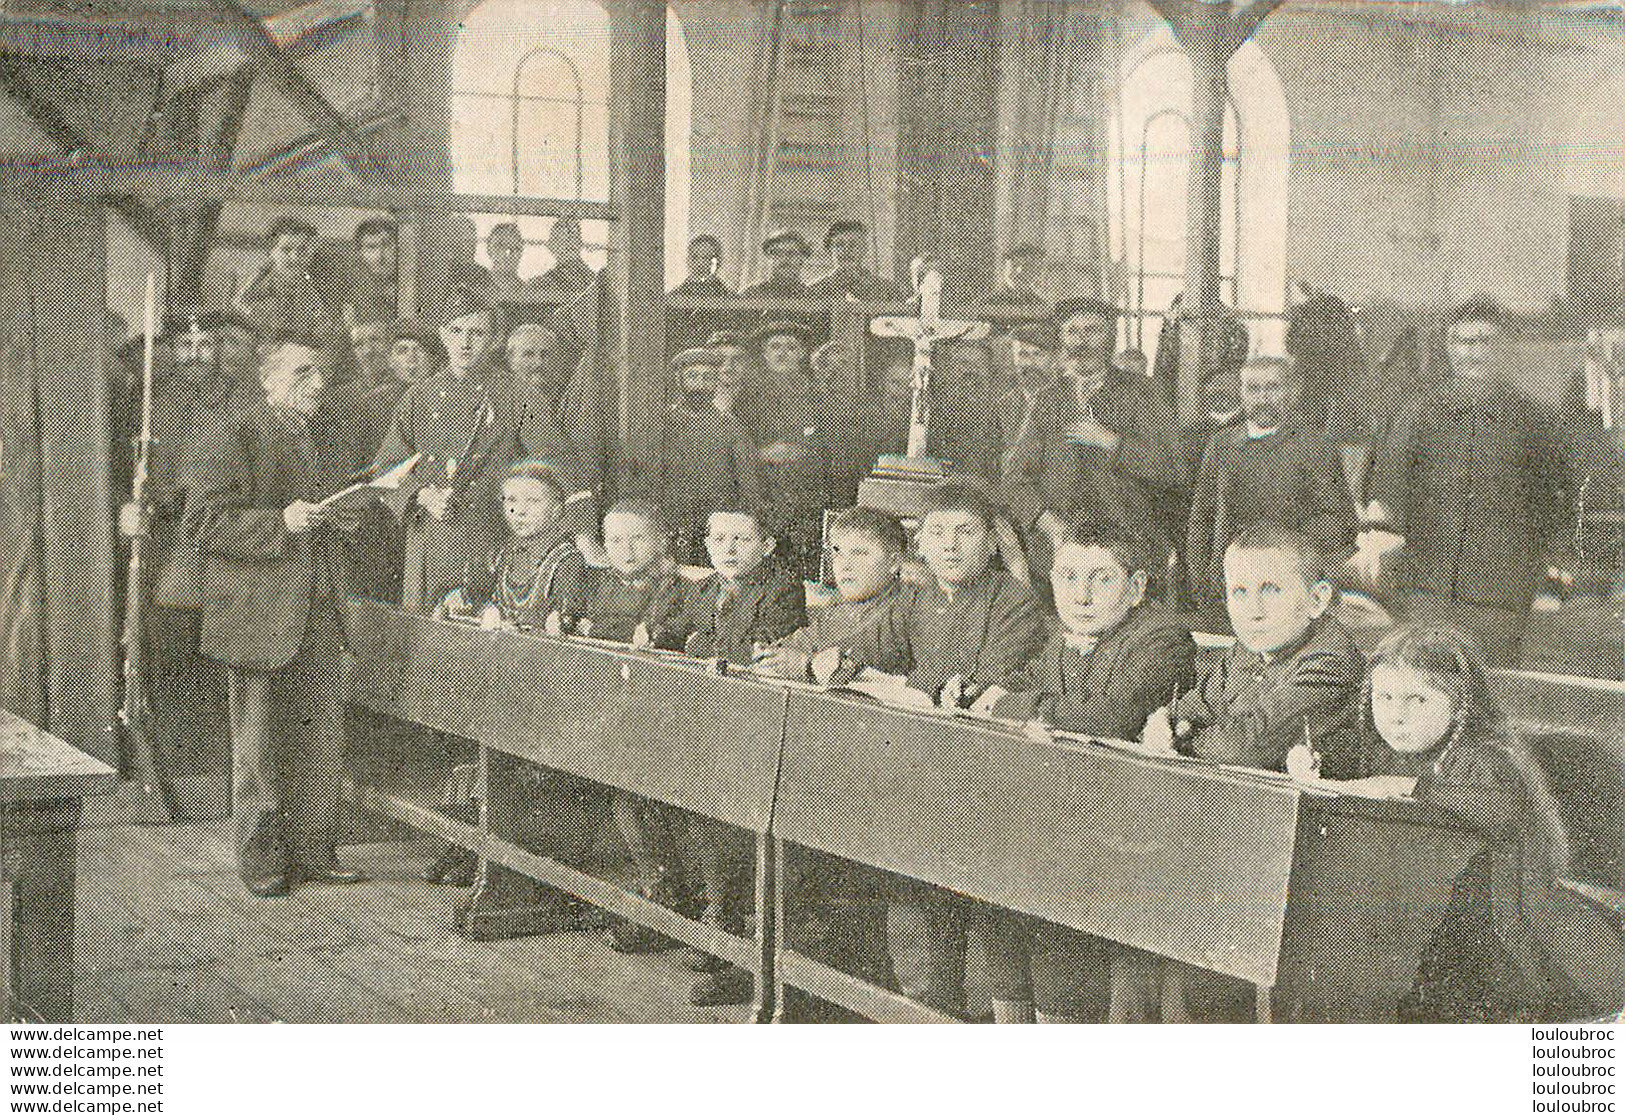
x=1149 y=183
x=530 y=114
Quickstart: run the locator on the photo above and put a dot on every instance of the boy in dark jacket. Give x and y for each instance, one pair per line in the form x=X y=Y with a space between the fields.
x=1111 y=659
x=1293 y=678
x=971 y=627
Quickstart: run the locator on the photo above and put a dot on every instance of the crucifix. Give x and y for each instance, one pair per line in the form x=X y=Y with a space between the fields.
x=924 y=332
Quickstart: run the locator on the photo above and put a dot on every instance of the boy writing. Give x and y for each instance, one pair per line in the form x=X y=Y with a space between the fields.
x=1293 y=677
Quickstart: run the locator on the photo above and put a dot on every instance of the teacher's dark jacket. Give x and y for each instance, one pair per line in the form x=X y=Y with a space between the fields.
x=260 y=581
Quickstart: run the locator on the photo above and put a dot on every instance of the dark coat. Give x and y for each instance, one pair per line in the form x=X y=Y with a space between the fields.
x=1480 y=491
x=1249 y=712
x=259 y=580
x=612 y=607
x=769 y=604
x=1109 y=691
x=705 y=460
x=1552 y=944
x=1293 y=477
x=1048 y=473
x=982 y=633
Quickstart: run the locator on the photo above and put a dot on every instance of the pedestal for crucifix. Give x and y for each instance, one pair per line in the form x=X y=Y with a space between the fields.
x=898 y=482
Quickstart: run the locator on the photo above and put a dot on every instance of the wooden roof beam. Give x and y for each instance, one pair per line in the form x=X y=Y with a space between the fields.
x=270 y=59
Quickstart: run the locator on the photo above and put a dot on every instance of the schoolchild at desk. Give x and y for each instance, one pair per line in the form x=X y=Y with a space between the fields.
x=1285 y=696
x=639 y=590
x=1292 y=679
x=1112 y=657
x=1513 y=946
x=969 y=627
x=840 y=919
x=538 y=571
x=747 y=602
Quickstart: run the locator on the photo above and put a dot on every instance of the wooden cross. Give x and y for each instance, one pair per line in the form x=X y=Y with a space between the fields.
x=924 y=332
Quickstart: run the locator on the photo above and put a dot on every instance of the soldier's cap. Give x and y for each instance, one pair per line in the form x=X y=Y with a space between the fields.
x=468 y=300
x=785 y=236
x=784 y=328
x=727 y=338
x=1035 y=334
x=1084 y=307
x=426 y=336
x=846 y=224
x=209 y=321
x=696 y=358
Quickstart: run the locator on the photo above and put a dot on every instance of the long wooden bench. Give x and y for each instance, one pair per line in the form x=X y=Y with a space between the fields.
x=1322 y=902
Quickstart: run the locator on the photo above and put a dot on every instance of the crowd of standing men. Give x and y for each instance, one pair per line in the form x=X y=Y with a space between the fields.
x=309 y=383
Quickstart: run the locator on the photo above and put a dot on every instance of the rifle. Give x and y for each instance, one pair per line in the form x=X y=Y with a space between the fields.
x=136 y=712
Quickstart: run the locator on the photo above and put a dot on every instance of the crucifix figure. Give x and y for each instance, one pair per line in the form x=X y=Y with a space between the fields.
x=924 y=332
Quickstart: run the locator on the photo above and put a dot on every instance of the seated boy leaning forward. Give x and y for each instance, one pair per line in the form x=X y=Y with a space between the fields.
x=1112 y=657
x=839 y=919
x=747 y=602
x=1291 y=683
x=970 y=627
x=1286 y=696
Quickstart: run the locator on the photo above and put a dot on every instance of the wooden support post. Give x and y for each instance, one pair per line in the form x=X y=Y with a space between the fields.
x=1211 y=31
x=637 y=256
x=1202 y=332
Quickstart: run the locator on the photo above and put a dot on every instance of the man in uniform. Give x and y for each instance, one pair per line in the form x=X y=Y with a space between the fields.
x=271 y=585
x=1474 y=480
x=193 y=395
x=462 y=419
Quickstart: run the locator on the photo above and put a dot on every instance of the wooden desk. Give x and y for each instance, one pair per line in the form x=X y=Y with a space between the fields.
x=42 y=784
x=1323 y=903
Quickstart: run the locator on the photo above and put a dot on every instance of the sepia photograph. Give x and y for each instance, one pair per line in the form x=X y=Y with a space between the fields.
x=812 y=512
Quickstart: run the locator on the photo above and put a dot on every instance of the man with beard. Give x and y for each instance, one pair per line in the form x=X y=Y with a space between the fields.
x=787 y=254
x=375 y=291
x=271 y=589
x=1474 y=481
x=1271 y=467
x=789 y=417
x=1101 y=444
x=193 y=396
x=550 y=408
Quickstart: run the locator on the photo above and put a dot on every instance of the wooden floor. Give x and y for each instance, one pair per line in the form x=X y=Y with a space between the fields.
x=167 y=934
